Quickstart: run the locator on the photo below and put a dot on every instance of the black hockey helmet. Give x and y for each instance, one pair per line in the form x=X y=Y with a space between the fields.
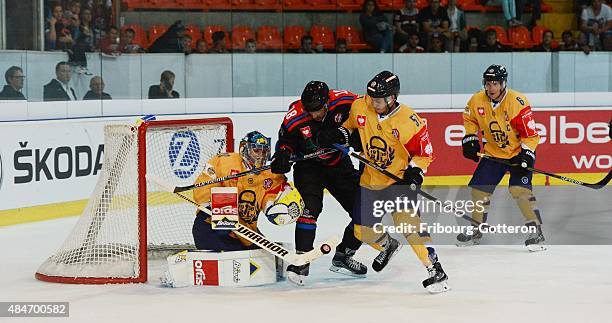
x=384 y=84
x=315 y=96
x=495 y=73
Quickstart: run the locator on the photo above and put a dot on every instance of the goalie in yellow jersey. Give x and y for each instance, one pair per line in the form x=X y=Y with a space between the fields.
x=504 y=118
x=258 y=193
x=394 y=138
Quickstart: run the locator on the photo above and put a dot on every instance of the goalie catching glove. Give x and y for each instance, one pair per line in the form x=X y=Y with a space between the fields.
x=287 y=207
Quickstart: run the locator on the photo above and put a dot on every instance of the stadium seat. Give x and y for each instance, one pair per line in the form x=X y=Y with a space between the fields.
x=349 y=5
x=501 y=35
x=268 y=37
x=209 y=30
x=320 y=5
x=162 y=4
x=425 y=3
x=268 y=4
x=240 y=34
x=536 y=34
x=470 y=5
x=292 y=36
x=140 y=36
x=520 y=37
x=352 y=37
x=155 y=31
x=195 y=33
x=217 y=4
x=243 y=4
x=190 y=4
x=322 y=35
x=133 y=4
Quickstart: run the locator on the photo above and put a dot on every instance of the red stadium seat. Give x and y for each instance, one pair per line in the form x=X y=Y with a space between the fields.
x=190 y=4
x=470 y=5
x=520 y=37
x=268 y=4
x=322 y=35
x=243 y=4
x=292 y=36
x=294 y=5
x=352 y=37
x=320 y=5
x=501 y=35
x=195 y=33
x=536 y=34
x=209 y=30
x=140 y=36
x=155 y=31
x=349 y=5
x=240 y=34
x=217 y=4
x=162 y=4
x=268 y=37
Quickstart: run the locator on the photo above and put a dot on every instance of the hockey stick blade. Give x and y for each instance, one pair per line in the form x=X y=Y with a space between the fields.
x=594 y=186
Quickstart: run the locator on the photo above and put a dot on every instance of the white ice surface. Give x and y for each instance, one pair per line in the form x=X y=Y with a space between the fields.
x=489 y=283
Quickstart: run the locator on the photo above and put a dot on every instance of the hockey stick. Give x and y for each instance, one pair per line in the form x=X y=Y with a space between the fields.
x=178 y=189
x=595 y=186
x=412 y=187
x=259 y=239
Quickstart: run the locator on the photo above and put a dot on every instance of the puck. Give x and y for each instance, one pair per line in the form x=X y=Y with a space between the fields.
x=325 y=248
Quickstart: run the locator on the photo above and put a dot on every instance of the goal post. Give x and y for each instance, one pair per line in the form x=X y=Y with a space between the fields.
x=125 y=216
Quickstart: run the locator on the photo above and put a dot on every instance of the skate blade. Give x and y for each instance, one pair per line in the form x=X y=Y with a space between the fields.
x=344 y=271
x=536 y=247
x=438 y=288
x=295 y=279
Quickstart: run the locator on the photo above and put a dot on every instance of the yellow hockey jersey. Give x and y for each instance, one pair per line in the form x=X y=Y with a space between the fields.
x=391 y=142
x=254 y=191
x=506 y=127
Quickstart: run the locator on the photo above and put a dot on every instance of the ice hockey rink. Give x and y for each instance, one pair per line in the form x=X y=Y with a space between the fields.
x=566 y=283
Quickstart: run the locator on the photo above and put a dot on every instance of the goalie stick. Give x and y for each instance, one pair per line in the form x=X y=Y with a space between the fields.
x=178 y=189
x=257 y=238
x=595 y=186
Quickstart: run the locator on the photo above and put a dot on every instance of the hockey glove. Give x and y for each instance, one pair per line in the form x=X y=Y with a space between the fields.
x=280 y=162
x=526 y=158
x=413 y=176
x=355 y=141
x=327 y=137
x=471 y=147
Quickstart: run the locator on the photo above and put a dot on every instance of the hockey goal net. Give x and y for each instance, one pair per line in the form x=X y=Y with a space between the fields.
x=126 y=216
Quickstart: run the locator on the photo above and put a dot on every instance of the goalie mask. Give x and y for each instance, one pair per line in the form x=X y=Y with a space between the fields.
x=255 y=149
x=287 y=208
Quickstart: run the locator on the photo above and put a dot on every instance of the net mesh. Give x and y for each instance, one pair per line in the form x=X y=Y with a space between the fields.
x=105 y=241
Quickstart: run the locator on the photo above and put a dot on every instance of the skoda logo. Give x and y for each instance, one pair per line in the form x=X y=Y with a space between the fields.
x=184 y=154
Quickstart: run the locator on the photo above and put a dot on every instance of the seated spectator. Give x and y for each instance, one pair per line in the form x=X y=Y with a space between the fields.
x=406 y=22
x=14 y=83
x=437 y=43
x=568 y=43
x=547 y=42
x=96 y=90
x=59 y=88
x=306 y=45
x=111 y=43
x=250 y=46
x=127 y=40
x=376 y=29
x=435 y=19
x=186 y=44
x=164 y=89
x=58 y=36
x=473 y=42
x=509 y=10
x=219 y=45
x=101 y=11
x=201 y=47
x=536 y=11
x=341 y=46
x=413 y=45
x=171 y=41
x=492 y=45
x=596 y=24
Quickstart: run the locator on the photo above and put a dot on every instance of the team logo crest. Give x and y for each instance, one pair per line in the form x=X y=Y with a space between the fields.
x=306 y=132
x=379 y=152
x=481 y=111
x=267 y=183
x=395 y=133
x=361 y=120
x=338 y=118
x=500 y=137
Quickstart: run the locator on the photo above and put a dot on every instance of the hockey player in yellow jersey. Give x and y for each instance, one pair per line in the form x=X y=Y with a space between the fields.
x=505 y=120
x=394 y=138
x=256 y=192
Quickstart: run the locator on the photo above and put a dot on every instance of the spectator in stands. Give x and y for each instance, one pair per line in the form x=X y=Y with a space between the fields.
x=536 y=11
x=111 y=43
x=435 y=20
x=58 y=36
x=437 y=43
x=406 y=23
x=96 y=90
x=171 y=41
x=14 y=83
x=186 y=44
x=596 y=24
x=341 y=46
x=569 y=43
x=164 y=89
x=306 y=45
x=86 y=27
x=413 y=44
x=457 y=26
x=59 y=88
x=492 y=45
x=201 y=47
x=127 y=40
x=73 y=13
x=547 y=43
x=250 y=46
x=77 y=55
x=102 y=12
x=509 y=9
x=219 y=45
x=376 y=29
x=473 y=42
